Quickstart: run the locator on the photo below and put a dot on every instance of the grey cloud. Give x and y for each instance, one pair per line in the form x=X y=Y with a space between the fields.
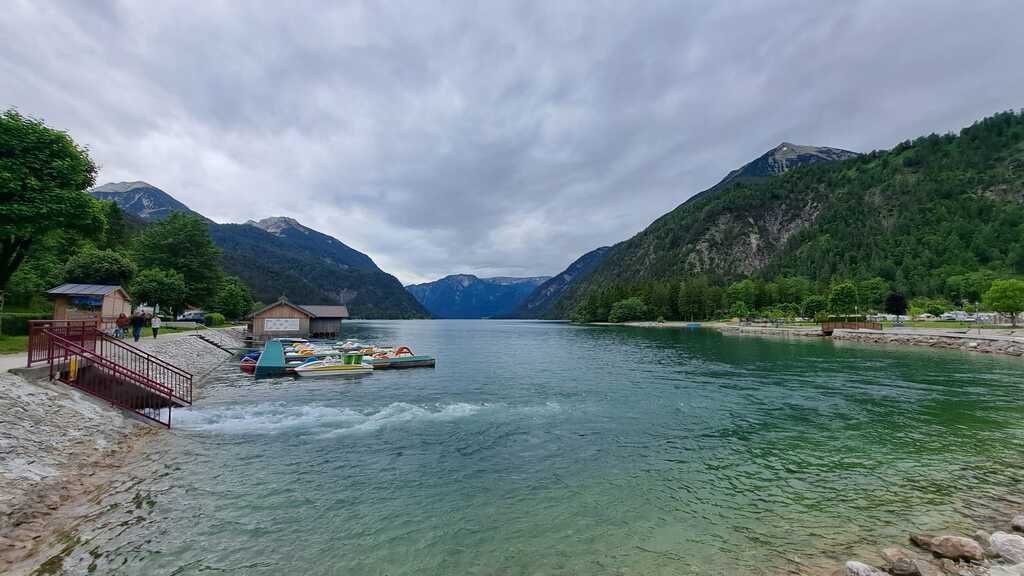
x=495 y=138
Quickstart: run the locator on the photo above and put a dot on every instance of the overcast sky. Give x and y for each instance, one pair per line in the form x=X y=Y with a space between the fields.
x=488 y=137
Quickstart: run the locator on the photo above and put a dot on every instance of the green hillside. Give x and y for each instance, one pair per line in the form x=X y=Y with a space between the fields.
x=923 y=219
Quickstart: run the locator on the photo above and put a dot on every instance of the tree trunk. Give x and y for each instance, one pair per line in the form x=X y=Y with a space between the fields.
x=13 y=251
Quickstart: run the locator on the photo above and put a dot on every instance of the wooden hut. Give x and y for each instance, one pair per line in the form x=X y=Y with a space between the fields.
x=90 y=301
x=326 y=320
x=283 y=319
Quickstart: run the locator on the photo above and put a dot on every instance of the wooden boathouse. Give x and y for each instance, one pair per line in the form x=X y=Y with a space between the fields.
x=283 y=319
x=100 y=303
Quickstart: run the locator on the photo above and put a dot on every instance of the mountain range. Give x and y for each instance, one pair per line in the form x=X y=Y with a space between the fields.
x=279 y=256
x=467 y=296
x=917 y=217
x=556 y=298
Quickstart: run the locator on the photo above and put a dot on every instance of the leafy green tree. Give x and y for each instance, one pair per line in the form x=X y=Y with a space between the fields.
x=233 y=299
x=739 y=309
x=813 y=305
x=155 y=286
x=744 y=291
x=787 y=310
x=842 y=299
x=182 y=243
x=115 y=235
x=1006 y=297
x=91 y=266
x=872 y=292
x=694 y=299
x=628 y=310
x=896 y=303
x=43 y=178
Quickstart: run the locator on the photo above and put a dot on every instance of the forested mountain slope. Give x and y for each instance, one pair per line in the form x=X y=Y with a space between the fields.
x=278 y=256
x=914 y=216
x=538 y=303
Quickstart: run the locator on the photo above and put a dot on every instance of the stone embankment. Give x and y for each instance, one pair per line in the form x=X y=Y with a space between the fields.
x=998 y=554
x=969 y=341
x=56 y=442
x=803 y=331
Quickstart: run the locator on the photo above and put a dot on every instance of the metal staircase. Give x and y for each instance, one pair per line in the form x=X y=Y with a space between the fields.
x=81 y=356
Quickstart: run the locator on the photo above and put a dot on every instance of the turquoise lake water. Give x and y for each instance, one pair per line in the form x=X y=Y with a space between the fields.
x=545 y=448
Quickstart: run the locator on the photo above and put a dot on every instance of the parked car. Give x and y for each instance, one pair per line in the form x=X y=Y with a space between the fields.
x=192 y=316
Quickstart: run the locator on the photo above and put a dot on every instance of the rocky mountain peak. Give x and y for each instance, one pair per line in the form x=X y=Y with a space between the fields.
x=122 y=186
x=277 y=224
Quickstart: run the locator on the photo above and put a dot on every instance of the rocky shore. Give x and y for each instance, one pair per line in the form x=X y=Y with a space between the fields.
x=1000 y=553
x=1010 y=345
x=1004 y=342
x=57 y=442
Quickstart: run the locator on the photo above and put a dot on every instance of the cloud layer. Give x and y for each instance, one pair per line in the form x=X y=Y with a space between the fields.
x=490 y=138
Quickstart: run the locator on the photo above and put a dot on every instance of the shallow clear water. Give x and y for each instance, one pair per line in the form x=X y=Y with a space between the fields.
x=544 y=448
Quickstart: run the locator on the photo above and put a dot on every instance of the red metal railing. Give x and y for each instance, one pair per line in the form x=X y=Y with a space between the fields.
x=176 y=380
x=90 y=372
x=81 y=332
x=82 y=356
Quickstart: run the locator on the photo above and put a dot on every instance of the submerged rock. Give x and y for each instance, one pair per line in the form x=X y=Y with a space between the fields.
x=1015 y=570
x=952 y=547
x=854 y=568
x=902 y=562
x=1018 y=523
x=1009 y=547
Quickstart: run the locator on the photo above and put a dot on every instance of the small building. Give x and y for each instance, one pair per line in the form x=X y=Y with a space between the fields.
x=101 y=302
x=326 y=320
x=284 y=319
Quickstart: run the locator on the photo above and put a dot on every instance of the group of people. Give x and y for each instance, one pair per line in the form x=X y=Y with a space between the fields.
x=137 y=321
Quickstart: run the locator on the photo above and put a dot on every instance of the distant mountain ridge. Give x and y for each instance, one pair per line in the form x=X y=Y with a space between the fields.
x=140 y=199
x=784 y=157
x=538 y=303
x=913 y=216
x=548 y=301
x=468 y=296
x=279 y=256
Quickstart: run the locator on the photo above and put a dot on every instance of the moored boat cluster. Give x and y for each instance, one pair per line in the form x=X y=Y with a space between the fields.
x=1000 y=553
x=309 y=359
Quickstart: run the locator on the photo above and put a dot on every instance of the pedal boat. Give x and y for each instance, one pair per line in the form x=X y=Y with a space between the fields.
x=402 y=357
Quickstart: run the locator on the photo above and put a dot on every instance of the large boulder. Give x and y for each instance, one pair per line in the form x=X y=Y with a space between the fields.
x=952 y=547
x=1009 y=547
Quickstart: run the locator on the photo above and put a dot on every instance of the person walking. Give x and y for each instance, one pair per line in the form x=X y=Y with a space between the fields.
x=155 y=325
x=138 y=321
x=121 y=325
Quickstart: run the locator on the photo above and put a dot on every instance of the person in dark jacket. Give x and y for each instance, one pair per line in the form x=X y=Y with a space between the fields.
x=138 y=321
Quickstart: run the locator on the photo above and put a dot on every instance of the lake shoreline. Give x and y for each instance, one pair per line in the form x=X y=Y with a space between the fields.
x=999 y=342
x=58 y=538
x=65 y=446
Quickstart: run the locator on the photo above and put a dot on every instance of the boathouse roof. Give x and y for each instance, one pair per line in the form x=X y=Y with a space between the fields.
x=84 y=289
x=319 y=311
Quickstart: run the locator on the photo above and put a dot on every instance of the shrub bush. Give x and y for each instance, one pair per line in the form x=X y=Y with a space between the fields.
x=213 y=319
x=628 y=310
x=16 y=324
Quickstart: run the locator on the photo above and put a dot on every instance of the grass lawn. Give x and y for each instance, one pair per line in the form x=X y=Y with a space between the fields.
x=12 y=344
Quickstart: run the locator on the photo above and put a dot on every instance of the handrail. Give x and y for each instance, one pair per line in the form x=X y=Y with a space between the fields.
x=148 y=365
x=113 y=366
x=150 y=357
x=95 y=375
